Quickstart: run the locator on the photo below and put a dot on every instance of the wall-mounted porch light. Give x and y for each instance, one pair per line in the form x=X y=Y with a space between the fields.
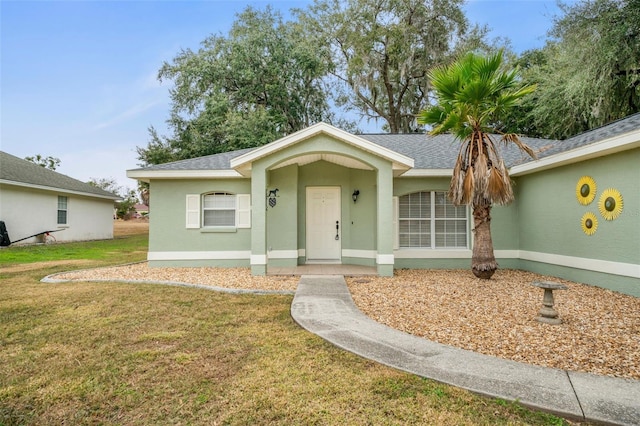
x=355 y=194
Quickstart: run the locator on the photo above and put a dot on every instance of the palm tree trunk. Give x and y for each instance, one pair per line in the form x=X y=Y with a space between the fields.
x=483 y=261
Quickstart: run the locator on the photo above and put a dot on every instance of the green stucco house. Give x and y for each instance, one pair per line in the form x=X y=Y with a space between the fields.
x=323 y=195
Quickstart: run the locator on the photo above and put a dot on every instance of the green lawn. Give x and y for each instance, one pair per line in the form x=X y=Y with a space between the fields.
x=119 y=250
x=113 y=353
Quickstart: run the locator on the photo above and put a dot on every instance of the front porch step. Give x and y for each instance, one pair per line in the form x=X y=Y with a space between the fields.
x=323 y=269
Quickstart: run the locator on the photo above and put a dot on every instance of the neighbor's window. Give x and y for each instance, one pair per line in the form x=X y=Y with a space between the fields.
x=428 y=220
x=62 y=210
x=219 y=209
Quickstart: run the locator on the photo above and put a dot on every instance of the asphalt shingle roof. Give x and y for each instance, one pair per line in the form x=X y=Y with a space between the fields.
x=436 y=152
x=441 y=151
x=619 y=127
x=14 y=169
x=208 y=162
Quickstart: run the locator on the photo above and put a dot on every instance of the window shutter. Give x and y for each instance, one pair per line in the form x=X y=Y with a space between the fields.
x=243 y=211
x=193 y=210
x=394 y=223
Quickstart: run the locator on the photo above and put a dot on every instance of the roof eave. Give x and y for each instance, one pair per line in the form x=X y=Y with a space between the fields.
x=429 y=173
x=59 y=190
x=607 y=146
x=242 y=164
x=146 y=175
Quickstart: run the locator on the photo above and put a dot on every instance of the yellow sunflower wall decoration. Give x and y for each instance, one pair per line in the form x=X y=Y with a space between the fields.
x=610 y=204
x=586 y=190
x=589 y=223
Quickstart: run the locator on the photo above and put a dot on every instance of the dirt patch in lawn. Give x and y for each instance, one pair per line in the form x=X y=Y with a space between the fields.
x=42 y=265
x=123 y=228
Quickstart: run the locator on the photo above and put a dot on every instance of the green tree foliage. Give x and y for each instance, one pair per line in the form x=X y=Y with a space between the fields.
x=51 y=163
x=381 y=50
x=472 y=94
x=108 y=184
x=588 y=73
x=261 y=82
x=127 y=207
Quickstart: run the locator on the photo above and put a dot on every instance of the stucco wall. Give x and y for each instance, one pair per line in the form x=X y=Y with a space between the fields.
x=358 y=220
x=168 y=235
x=282 y=219
x=551 y=237
x=27 y=211
x=504 y=232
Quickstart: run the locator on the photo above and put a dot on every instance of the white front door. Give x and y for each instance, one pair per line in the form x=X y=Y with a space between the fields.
x=324 y=229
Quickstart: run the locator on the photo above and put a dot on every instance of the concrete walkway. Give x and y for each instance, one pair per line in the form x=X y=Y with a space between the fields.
x=323 y=306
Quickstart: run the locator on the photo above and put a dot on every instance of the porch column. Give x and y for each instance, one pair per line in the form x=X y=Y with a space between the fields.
x=258 y=221
x=384 y=259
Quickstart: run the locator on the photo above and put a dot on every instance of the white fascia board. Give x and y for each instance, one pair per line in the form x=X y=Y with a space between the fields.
x=242 y=162
x=146 y=175
x=608 y=146
x=428 y=173
x=58 y=190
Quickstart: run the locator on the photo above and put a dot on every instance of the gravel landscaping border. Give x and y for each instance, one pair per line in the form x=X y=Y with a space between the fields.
x=227 y=280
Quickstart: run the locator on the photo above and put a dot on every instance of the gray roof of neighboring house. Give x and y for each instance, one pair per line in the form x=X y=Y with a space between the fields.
x=436 y=152
x=14 y=169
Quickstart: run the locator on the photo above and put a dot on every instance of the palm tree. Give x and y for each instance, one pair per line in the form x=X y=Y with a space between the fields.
x=472 y=94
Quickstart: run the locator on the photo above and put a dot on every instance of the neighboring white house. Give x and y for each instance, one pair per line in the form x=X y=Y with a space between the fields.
x=34 y=199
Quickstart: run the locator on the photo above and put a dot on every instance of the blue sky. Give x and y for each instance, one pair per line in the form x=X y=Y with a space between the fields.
x=78 y=78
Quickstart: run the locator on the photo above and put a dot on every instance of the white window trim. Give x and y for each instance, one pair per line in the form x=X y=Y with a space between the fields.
x=66 y=210
x=234 y=209
x=193 y=212
x=432 y=223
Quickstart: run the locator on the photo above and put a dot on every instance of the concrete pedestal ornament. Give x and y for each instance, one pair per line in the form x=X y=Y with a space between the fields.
x=548 y=314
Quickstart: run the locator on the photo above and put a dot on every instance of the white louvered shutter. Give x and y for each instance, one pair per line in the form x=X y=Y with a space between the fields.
x=394 y=223
x=243 y=211
x=193 y=211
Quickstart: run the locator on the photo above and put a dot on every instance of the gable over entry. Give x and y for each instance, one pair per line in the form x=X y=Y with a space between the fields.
x=321 y=156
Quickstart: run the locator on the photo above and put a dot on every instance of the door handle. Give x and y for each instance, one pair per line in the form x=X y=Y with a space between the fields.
x=337 y=230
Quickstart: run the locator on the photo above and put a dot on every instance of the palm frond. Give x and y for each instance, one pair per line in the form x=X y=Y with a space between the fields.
x=456 y=186
x=472 y=93
x=500 y=190
x=497 y=187
x=515 y=139
x=468 y=186
x=481 y=172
